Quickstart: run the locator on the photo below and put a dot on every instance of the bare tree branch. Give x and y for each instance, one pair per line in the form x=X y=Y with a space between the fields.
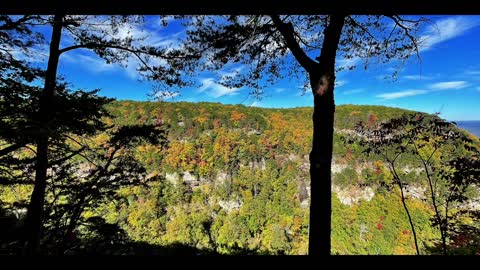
x=353 y=22
x=399 y=22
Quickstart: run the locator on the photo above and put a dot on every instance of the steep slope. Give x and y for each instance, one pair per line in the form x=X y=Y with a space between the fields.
x=246 y=170
x=234 y=179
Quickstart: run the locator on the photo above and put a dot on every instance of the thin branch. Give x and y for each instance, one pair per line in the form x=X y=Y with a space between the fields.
x=398 y=21
x=93 y=45
x=390 y=35
x=400 y=185
x=14 y=24
x=61 y=160
x=361 y=27
x=297 y=35
x=431 y=155
x=397 y=156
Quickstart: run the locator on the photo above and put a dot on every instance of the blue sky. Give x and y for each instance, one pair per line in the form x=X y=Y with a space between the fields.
x=447 y=80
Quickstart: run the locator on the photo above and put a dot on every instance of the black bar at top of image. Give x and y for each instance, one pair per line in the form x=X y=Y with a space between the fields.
x=240 y=7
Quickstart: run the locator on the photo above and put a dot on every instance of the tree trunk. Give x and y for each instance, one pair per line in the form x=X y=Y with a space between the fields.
x=77 y=211
x=404 y=203
x=322 y=80
x=35 y=209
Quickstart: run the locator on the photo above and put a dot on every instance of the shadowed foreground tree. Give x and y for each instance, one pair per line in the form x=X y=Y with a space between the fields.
x=449 y=164
x=104 y=37
x=95 y=177
x=258 y=51
x=76 y=113
x=81 y=174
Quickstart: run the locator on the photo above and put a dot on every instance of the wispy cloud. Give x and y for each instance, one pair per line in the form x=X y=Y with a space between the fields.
x=417 y=77
x=34 y=54
x=206 y=84
x=279 y=90
x=440 y=86
x=231 y=72
x=353 y=91
x=344 y=62
x=170 y=41
x=446 y=29
x=472 y=72
x=400 y=94
x=136 y=31
x=302 y=93
x=255 y=104
x=340 y=83
x=172 y=95
x=216 y=90
x=93 y=62
x=448 y=85
x=164 y=95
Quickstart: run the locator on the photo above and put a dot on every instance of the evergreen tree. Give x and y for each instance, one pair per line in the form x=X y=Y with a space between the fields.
x=101 y=35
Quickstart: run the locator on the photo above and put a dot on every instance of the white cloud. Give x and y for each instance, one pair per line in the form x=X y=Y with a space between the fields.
x=446 y=29
x=93 y=62
x=170 y=41
x=303 y=92
x=344 y=62
x=274 y=45
x=353 y=91
x=340 y=83
x=472 y=72
x=279 y=89
x=417 y=77
x=163 y=95
x=440 y=86
x=400 y=94
x=232 y=72
x=206 y=83
x=172 y=95
x=216 y=90
x=36 y=54
x=137 y=31
x=448 y=85
x=255 y=104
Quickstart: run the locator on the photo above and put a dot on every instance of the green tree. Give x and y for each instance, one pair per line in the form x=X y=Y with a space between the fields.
x=441 y=152
x=116 y=49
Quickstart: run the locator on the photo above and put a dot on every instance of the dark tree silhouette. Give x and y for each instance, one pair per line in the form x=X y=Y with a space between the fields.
x=96 y=176
x=15 y=76
x=99 y=34
x=263 y=44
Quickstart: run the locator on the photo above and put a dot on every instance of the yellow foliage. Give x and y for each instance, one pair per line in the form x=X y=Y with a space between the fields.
x=201 y=119
x=355 y=113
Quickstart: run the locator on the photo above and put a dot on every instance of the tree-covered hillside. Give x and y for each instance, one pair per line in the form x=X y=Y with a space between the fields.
x=234 y=179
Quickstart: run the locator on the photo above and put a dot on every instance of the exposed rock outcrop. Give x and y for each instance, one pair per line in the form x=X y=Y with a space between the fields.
x=353 y=194
x=230 y=205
